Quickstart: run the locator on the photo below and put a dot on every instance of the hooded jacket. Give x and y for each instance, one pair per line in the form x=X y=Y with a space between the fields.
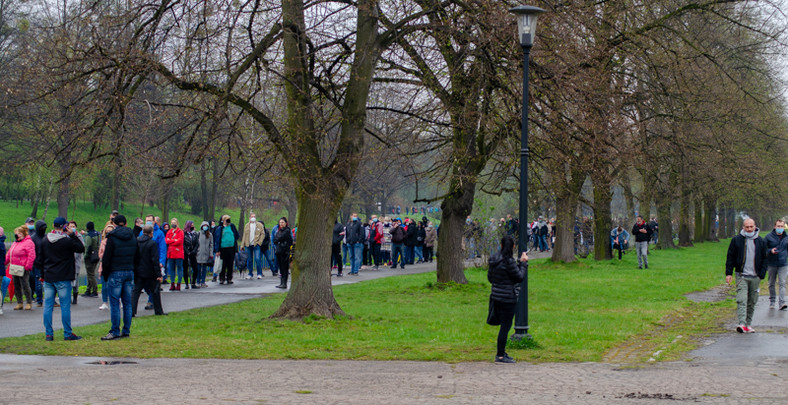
x=505 y=274
x=22 y=253
x=147 y=258
x=38 y=239
x=217 y=236
x=411 y=234
x=354 y=232
x=780 y=242
x=120 y=252
x=336 y=237
x=57 y=261
x=737 y=251
x=204 y=245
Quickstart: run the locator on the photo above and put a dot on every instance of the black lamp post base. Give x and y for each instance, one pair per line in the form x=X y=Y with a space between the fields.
x=520 y=334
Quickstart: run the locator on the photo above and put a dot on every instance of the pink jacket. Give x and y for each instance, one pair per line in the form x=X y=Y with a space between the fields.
x=22 y=253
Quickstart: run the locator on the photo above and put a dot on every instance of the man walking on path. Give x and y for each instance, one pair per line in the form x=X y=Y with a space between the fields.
x=58 y=266
x=117 y=265
x=747 y=257
x=642 y=232
x=777 y=262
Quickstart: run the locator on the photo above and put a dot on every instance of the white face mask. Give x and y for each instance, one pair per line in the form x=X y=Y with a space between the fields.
x=253 y=219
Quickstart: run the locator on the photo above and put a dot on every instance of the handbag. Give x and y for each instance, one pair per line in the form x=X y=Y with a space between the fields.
x=492 y=315
x=15 y=269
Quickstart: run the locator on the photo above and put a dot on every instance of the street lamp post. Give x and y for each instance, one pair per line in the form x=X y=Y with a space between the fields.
x=526 y=30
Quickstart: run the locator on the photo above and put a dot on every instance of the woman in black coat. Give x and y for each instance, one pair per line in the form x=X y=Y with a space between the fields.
x=283 y=240
x=505 y=275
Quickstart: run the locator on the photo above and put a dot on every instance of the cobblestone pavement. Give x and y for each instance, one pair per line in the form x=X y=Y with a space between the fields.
x=32 y=379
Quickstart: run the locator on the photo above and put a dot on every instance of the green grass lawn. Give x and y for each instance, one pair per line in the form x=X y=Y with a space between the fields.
x=12 y=215
x=578 y=312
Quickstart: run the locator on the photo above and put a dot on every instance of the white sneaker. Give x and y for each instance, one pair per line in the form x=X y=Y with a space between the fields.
x=103 y=306
x=1 y=310
x=247 y=277
x=259 y=277
x=771 y=306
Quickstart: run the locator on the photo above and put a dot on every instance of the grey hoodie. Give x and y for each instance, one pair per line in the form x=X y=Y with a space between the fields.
x=749 y=256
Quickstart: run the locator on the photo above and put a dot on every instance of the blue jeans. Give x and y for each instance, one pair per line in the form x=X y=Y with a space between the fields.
x=254 y=259
x=203 y=272
x=172 y=265
x=271 y=257
x=397 y=253
x=345 y=255
x=63 y=289
x=542 y=242
x=419 y=252
x=409 y=252
x=39 y=287
x=120 y=284
x=6 y=282
x=356 y=250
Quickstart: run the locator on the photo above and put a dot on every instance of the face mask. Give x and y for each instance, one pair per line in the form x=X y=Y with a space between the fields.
x=749 y=234
x=174 y=226
x=253 y=219
x=375 y=220
x=72 y=229
x=355 y=219
x=779 y=230
x=148 y=223
x=31 y=227
x=205 y=228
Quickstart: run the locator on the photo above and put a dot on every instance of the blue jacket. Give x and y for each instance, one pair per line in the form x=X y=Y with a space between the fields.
x=158 y=237
x=217 y=237
x=781 y=243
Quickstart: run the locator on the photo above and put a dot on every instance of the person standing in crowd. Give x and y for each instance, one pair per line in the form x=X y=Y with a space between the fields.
x=147 y=272
x=165 y=228
x=619 y=239
x=57 y=251
x=421 y=236
x=355 y=239
x=375 y=241
x=429 y=242
x=271 y=254
x=92 y=242
x=505 y=275
x=777 y=263
x=365 y=259
x=655 y=228
x=175 y=255
x=411 y=233
x=79 y=261
x=102 y=248
x=138 y=223
x=22 y=253
x=397 y=244
x=204 y=252
x=120 y=256
x=225 y=241
x=337 y=234
x=191 y=269
x=747 y=257
x=283 y=240
x=35 y=275
x=255 y=237
x=642 y=233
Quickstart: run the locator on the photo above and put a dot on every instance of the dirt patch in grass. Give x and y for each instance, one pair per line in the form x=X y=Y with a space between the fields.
x=716 y=294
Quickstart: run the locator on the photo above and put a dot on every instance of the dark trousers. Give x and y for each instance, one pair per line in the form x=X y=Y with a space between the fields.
x=190 y=269
x=375 y=249
x=283 y=259
x=336 y=255
x=506 y=315
x=428 y=253
x=152 y=287
x=90 y=269
x=228 y=258
x=365 y=259
x=397 y=254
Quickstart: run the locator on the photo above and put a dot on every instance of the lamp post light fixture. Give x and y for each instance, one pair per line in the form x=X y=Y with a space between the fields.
x=526 y=31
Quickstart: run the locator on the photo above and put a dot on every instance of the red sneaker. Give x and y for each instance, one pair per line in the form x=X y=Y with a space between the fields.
x=741 y=329
x=749 y=329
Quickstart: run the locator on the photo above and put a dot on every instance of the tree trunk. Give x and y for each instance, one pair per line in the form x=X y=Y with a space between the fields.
x=664 y=218
x=166 y=196
x=629 y=198
x=684 y=226
x=204 y=192
x=117 y=184
x=566 y=206
x=310 y=290
x=63 y=197
x=602 y=220
x=700 y=228
x=711 y=214
x=454 y=210
x=214 y=190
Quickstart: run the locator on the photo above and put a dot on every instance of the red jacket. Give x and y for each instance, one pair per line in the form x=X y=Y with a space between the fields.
x=174 y=241
x=22 y=253
x=379 y=235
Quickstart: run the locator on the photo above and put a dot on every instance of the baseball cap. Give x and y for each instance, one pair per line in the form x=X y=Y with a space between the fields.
x=30 y=219
x=59 y=221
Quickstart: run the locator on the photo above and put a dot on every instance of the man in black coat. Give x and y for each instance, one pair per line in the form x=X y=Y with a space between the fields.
x=336 y=246
x=117 y=265
x=58 y=265
x=747 y=257
x=147 y=271
x=642 y=233
x=40 y=229
x=411 y=235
